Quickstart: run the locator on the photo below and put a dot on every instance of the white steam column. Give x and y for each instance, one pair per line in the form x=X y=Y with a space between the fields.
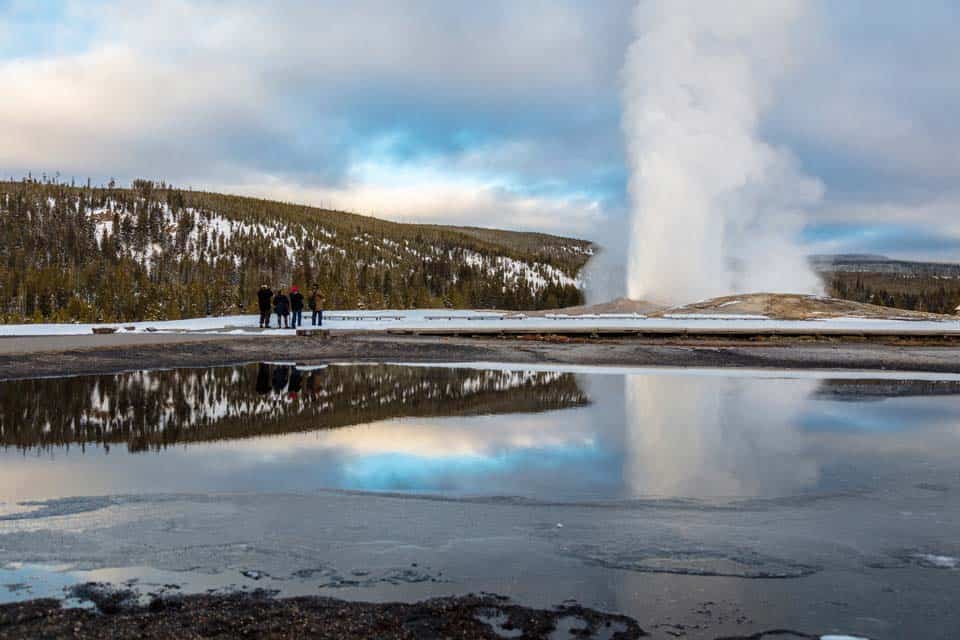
x=715 y=209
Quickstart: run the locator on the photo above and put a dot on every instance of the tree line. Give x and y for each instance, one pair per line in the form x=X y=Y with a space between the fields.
x=914 y=293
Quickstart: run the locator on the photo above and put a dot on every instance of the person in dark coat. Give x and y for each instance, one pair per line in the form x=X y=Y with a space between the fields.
x=264 y=297
x=296 y=306
x=316 y=307
x=281 y=306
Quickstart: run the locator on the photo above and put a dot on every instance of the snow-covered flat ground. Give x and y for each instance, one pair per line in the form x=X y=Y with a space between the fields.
x=427 y=319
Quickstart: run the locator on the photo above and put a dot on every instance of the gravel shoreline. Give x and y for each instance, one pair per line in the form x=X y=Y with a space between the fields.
x=257 y=615
x=77 y=355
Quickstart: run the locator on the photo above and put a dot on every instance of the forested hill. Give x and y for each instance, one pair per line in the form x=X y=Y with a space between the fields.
x=918 y=286
x=157 y=252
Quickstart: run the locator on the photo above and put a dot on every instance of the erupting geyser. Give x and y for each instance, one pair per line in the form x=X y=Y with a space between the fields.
x=715 y=209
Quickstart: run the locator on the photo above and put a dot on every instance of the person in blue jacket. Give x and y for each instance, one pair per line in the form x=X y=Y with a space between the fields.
x=296 y=307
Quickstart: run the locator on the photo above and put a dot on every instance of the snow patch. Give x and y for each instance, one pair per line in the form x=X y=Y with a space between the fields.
x=938 y=561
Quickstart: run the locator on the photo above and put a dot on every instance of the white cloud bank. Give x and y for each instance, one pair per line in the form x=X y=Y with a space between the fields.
x=511 y=108
x=291 y=102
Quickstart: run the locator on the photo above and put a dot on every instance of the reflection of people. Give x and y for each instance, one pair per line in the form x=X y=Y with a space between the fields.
x=263 y=378
x=296 y=307
x=280 y=375
x=264 y=296
x=313 y=383
x=296 y=379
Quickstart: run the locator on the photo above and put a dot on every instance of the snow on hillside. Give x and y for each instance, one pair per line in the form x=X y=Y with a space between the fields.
x=537 y=275
x=211 y=235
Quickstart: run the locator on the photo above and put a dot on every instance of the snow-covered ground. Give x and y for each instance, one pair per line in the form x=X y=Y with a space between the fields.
x=431 y=319
x=243 y=324
x=427 y=319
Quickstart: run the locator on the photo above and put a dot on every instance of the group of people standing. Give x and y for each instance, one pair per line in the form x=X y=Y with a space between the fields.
x=289 y=309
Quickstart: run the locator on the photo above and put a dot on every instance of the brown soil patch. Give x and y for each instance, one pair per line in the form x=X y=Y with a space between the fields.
x=620 y=305
x=781 y=306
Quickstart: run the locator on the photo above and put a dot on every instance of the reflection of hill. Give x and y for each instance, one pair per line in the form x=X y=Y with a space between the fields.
x=154 y=409
x=863 y=390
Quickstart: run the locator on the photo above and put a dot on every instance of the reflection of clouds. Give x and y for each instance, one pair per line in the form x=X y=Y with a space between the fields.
x=481 y=436
x=885 y=415
x=677 y=435
x=696 y=436
x=520 y=454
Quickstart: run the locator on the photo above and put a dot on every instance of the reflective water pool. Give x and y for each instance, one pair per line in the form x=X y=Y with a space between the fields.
x=473 y=431
x=707 y=502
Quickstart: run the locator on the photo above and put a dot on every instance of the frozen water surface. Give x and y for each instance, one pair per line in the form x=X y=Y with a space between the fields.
x=706 y=503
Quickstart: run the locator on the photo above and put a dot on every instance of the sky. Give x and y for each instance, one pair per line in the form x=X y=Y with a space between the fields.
x=501 y=113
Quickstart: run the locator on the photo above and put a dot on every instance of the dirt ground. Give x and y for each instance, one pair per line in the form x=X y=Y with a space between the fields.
x=784 y=306
x=777 y=306
x=620 y=305
x=259 y=616
x=75 y=355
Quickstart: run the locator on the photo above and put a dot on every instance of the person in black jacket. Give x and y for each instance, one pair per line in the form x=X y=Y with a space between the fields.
x=296 y=306
x=264 y=296
x=281 y=306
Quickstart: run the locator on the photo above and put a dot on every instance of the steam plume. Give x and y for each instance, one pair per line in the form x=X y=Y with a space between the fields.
x=716 y=210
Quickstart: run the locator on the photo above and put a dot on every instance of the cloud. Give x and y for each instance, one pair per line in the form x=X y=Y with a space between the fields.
x=300 y=100
x=922 y=230
x=529 y=49
x=505 y=113
x=874 y=97
x=110 y=111
x=430 y=196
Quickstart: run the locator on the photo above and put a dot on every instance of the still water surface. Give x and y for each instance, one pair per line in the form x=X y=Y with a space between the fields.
x=540 y=435
x=711 y=503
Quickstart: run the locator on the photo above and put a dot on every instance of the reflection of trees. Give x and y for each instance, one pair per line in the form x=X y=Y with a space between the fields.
x=154 y=409
x=874 y=389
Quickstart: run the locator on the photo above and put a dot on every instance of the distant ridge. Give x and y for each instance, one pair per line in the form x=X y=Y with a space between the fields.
x=848 y=257
x=869 y=263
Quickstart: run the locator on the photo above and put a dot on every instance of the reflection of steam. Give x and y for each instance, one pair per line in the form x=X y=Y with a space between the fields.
x=711 y=437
